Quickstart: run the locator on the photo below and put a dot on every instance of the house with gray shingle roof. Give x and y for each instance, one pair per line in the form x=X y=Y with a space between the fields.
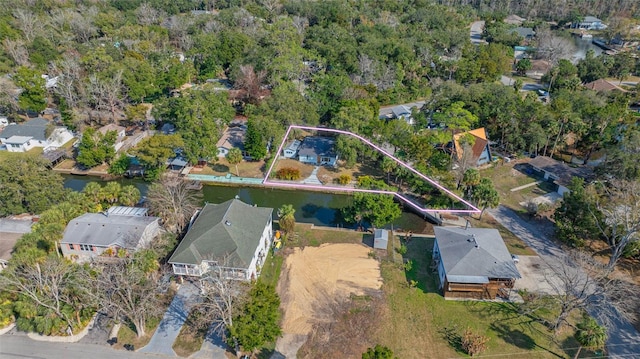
x=233 y=237
x=473 y=263
x=36 y=132
x=90 y=234
x=318 y=150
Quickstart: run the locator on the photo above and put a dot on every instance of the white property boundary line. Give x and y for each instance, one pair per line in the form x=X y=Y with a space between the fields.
x=266 y=181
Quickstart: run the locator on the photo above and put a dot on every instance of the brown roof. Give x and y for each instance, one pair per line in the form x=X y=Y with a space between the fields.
x=561 y=172
x=480 y=136
x=603 y=85
x=110 y=127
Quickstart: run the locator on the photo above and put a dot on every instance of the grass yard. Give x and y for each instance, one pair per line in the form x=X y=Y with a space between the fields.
x=190 y=338
x=506 y=177
x=127 y=335
x=514 y=244
x=253 y=169
x=308 y=235
x=32 y=152
x=423 y=325
x=330 y=175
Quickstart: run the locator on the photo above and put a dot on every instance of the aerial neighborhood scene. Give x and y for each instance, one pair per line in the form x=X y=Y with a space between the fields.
x=319 y=179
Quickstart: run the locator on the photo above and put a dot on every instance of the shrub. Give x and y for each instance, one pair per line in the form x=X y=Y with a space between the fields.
x=408 y=266
x=344 y=179
x=288 y=173
x=378 y=352
x=473 y=343
x=402 y=250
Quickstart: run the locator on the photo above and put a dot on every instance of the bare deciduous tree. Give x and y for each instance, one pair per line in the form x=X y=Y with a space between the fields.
x=583 y=283
x=251 y=82
x=28 y=23
x=126 y=292
x=17 y=51
x=107 y=94
x=53 y=284
x=68 y=71
x=620 y=223
x=172 y=200
x=222 y=299
x=148 y=15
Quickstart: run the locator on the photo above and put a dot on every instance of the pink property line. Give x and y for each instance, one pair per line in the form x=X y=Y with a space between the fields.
x=342 y=189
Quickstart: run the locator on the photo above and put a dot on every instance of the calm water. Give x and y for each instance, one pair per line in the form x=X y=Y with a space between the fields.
x=321 y=209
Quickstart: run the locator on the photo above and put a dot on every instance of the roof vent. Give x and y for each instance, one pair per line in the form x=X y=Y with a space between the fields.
x=227 y=223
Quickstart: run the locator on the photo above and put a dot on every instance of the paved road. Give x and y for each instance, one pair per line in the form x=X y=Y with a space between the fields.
x=172 y=321
x=477 y=27
x=21 y=347
x=624 y=339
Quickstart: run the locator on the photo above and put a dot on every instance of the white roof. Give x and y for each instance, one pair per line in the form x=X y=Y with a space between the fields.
x=127 y=211
x=18 y=139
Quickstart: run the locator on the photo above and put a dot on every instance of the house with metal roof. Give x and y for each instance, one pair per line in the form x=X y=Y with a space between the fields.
x=232 y=237
x=318 y=150
x=559 y=173
x=473 y=263
x=91 y=234
x=479 y=145
x=36 y=132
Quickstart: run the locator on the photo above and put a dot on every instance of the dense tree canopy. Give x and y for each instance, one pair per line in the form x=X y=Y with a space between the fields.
x=27 y=185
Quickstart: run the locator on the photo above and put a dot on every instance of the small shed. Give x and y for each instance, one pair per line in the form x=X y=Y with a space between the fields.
x=380 y=238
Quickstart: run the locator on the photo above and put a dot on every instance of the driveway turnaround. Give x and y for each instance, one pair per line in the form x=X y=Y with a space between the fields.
x=174 y=318
x=624 y=339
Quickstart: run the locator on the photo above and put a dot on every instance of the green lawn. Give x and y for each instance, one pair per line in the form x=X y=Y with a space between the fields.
x=190 y=338
x=6 y=154
x=421 y=324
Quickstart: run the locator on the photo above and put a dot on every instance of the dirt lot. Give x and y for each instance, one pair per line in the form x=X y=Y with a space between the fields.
x=305 y=169
x=314 y=278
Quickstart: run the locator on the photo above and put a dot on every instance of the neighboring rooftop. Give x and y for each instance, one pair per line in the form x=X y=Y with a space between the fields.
x=561 y=171
x=476 y=253
x=603 y=85
x=111 y=127
x=514 y=20
x=317 y=146
x=103 y=229
x=228 y=233
x=481 y=141
x=127 y=211
x=591 y=19
x=233 y=137
x=524 y=32
x=35 y=128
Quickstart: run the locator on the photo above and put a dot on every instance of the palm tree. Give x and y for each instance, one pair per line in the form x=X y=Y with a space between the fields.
x=286 y=218
x=92 y=191
x=234 y=157
x=590 y=335
x=110 y=192
x=129 y=195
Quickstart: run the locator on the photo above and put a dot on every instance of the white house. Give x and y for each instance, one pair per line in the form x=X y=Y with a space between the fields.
x=318 y=150
x=480 y=151
x=37 y=132
x=120 y=134
x=117 y=228
x=233 y=237
x=291 y=151
x=589 y=23
x=233 y=136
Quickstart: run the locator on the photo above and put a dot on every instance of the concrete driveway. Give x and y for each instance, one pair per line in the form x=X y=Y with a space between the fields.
x=175 y=316
x=537 y=276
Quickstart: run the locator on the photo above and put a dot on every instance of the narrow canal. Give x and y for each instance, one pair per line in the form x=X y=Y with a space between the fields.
x=322 y=209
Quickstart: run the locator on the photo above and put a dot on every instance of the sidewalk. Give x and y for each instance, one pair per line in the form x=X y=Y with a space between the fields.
x=174 y=318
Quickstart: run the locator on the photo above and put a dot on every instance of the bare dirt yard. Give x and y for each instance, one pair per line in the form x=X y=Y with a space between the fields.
x=315 y=280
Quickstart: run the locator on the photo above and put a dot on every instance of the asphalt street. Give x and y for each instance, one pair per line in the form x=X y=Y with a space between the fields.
x=21 y=347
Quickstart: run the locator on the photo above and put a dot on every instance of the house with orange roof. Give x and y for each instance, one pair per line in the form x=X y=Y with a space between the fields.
x=476 y=141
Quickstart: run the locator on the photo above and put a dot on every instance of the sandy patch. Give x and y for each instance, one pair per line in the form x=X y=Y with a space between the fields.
x=314 y=278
